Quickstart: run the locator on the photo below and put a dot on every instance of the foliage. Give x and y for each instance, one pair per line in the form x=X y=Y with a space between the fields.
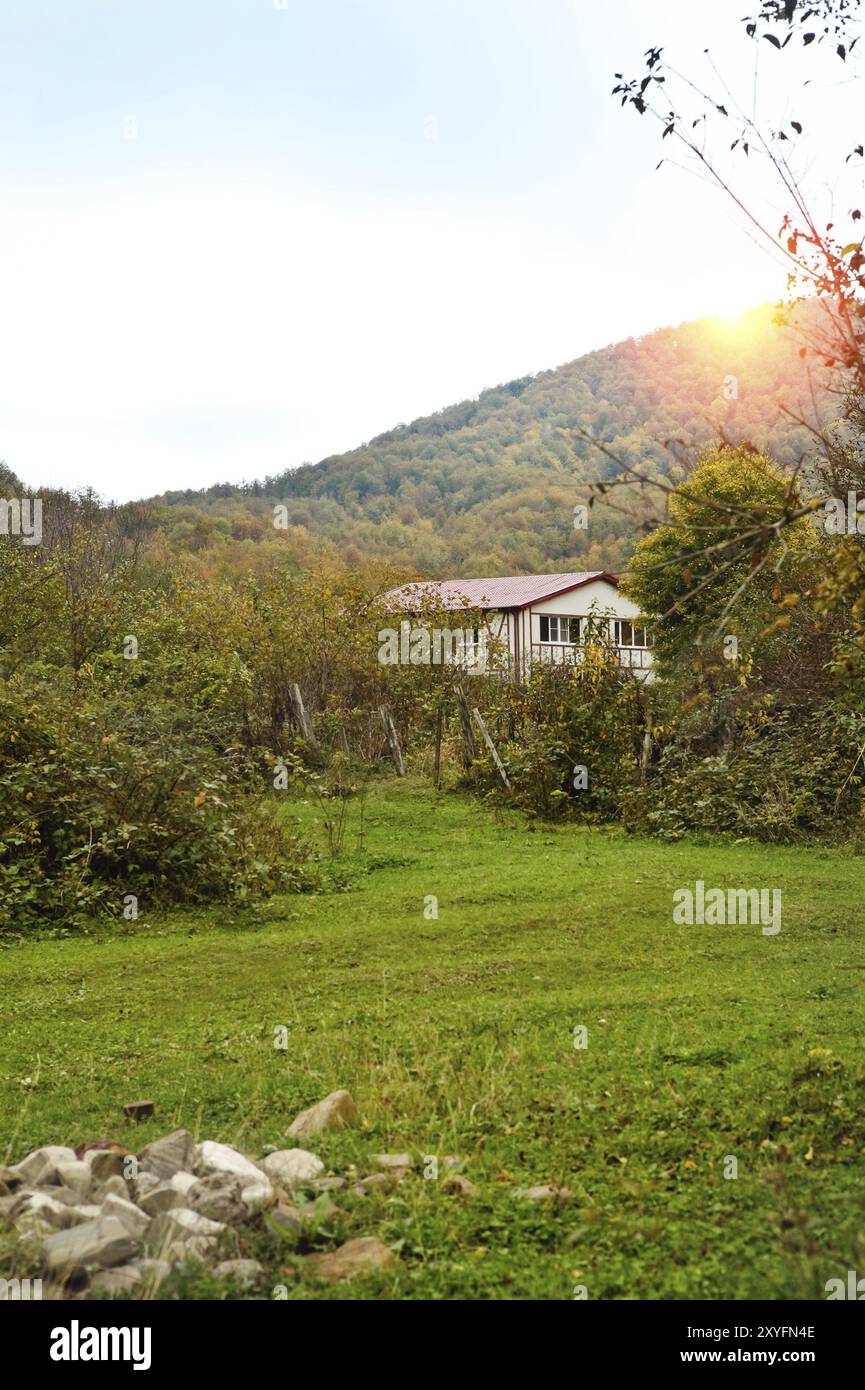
x=783 y=775
x=699 y=572
x=455 y=1036
x=488 y=486
x=103 y=799
x=563 y=719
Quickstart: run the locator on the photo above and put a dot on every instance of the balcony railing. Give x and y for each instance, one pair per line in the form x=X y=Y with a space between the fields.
x=570 y=654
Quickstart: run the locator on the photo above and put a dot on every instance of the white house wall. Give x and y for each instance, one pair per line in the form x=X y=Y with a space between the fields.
x=517 y=629
x=595 y=598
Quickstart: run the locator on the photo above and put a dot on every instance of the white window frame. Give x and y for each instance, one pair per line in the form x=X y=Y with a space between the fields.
x=636 y=625
x=563 y=622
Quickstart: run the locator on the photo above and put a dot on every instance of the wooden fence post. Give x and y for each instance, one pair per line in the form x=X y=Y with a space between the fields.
x=492 y=747
x=470 y=751
x=646 y=750
x=300 y=716
x=438 y=752
x=393 y=741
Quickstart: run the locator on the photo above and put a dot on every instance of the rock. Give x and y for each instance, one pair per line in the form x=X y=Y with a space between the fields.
x=197 y=1248
x=138 y=1109
x=40 y=1213
x=115 y=1186
x=84 y=1149
x=122 y=1279
x=127 y=1213
x=39 y=1169
x=153 y=1272
x=329 y=1184
x=180 y=1225
x=145 y=1181
x=173 y=1154
x=10 y=1181
x=334 y=1112
x=102 y=1243
x=77 y=1176
x=549 y=1193
x=458 y=1185
x=241 y=1271
x=393 y=1162
x=211 y=1157
x=8 y=1207
x=258 y=1196
x=105 y=1164
x=218 y=1197
x=89 y=1211
x=381 y=1180
x=362 y=1256
x=160 y=1199
x=286 y=1217
x=292 y=1167
x=316 y=1213
x=182 y=1182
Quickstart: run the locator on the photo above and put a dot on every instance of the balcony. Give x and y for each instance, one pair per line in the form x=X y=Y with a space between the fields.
x=571 y=654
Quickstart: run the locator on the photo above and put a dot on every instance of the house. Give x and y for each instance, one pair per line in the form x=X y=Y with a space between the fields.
x=538 y=618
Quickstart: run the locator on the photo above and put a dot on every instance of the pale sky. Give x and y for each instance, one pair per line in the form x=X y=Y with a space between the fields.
x=239 y=235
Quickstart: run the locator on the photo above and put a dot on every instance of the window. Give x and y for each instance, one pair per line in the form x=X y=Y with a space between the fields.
x=628 y=634
x=470 y=646
x=566 y=630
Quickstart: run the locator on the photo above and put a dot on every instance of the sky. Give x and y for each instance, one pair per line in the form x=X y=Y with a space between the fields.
x=240 y=235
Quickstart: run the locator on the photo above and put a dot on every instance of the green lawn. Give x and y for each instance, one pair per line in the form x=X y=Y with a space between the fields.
x=455 y=1036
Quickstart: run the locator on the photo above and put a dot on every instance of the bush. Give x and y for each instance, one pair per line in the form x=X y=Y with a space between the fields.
x=788 y=774
x=102 y=800
x=562 y=718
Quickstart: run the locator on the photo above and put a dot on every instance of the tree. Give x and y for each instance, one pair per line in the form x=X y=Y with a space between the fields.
x=703 y=578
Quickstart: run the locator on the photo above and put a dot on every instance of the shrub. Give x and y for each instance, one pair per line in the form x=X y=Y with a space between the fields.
x=105 y=799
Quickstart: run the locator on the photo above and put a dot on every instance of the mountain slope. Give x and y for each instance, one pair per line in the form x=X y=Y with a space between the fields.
x=488 y=485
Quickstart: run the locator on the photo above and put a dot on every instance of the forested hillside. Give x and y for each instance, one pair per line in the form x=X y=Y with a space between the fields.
x=489 y=485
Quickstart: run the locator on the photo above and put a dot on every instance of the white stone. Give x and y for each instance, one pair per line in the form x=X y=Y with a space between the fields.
x=114 y=1185
x=292 y=1167
x=180 y=1225
x=172 y=1154
x=163 y=1198
x=103 y=1242
x=36 y=1210
x=76 y=1176
x=211 y=1157
x=127 y=1213
x=182 y=1182
x=241 y=1271
x=335 y=1111
x=39 y=1168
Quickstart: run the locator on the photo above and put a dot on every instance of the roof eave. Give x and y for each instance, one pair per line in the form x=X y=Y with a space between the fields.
x=568 y=588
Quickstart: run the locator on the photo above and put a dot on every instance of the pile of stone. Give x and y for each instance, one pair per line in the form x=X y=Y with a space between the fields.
x=103 y=1219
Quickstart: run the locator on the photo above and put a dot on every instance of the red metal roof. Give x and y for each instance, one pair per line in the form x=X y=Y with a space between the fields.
x=514 y=591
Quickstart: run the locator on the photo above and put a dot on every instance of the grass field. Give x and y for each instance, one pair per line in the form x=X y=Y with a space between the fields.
x=455 y=1035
